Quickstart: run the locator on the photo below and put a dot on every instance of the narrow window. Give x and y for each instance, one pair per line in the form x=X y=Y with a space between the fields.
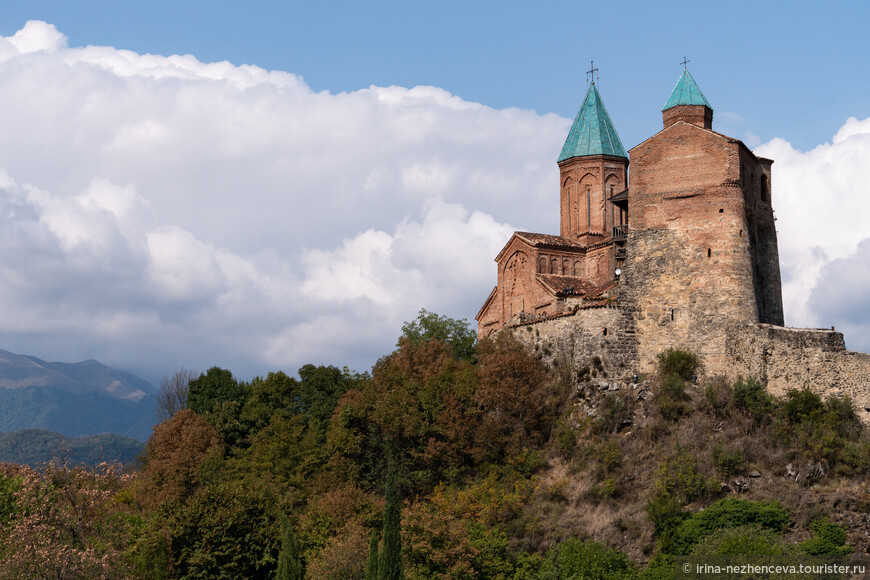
x=588 y=208
x=605 y=332
x=612 y=218
x=709 y=252
x=568 y=203
x=672 y=314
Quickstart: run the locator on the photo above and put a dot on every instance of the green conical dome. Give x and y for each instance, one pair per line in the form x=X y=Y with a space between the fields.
x=686 y=92
x=592 y=132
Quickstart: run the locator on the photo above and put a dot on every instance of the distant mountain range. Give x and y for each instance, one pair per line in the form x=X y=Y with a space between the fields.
x=74 y=399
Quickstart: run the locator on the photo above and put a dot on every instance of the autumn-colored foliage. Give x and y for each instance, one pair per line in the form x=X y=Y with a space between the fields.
x=174 y=457
x=503 y=467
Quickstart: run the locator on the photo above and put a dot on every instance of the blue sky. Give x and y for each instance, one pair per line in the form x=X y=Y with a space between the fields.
x=790 y=69
x=166 y=211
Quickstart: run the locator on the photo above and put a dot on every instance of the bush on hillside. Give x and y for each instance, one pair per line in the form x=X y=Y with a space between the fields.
x=575 y=558
x=803 y=406
x=750 y=396
x=828 y=539
x=727 y=513
x=679 y=362
x=671 y=398
x=748 y=540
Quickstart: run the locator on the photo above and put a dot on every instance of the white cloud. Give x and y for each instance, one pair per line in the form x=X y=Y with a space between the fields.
x=36 y=36
x=841 y=299
x=161 y=211
x=822 y=203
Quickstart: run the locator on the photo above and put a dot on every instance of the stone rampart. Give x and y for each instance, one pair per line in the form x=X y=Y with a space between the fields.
x=605 y=332
x=793 y=358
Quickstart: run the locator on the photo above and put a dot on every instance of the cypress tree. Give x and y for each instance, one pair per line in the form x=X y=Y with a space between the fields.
x=390 y=565
x=289 y=567
x=372 y=564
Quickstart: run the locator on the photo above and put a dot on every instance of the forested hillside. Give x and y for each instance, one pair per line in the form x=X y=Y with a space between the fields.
x=502 y=467
x=35 y=446
x=74 y=399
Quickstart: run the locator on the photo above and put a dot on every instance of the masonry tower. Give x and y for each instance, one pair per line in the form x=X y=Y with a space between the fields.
x=702 y=246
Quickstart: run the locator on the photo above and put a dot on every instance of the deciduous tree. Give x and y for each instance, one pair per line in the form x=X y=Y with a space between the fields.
x=173 y=393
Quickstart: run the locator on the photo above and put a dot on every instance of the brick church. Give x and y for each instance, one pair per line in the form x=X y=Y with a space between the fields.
x=671 y=244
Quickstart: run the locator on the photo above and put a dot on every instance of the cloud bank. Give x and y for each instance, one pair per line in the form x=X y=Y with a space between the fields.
x=158 y=211
x=822 y=204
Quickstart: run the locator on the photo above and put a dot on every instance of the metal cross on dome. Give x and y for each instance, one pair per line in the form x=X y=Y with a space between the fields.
x=592 y=70
x=685 y=62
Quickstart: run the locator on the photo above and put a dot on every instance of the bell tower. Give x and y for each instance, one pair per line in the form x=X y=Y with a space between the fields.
x=593 y=167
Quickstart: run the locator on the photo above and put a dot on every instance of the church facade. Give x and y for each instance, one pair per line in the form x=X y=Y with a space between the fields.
x=671 y=244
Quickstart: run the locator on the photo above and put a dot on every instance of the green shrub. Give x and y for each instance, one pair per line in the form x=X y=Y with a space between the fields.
x=675 y=361
x=608 y=455
x=665 y=513
x=590 y=560
x=607 y=489
x=660 y=567
x=748 y=540
x=726 y=462
x=727 y=513
x=680 y=478
x=566 y=439
x=828 y=539
x=803 y=406
x=751 y=397
x=841 y=415
x=674 y=387
x=671 y=397
x=717 y=398
x=855 y=458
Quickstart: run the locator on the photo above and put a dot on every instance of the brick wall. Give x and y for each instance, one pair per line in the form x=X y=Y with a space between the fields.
x=689 y=271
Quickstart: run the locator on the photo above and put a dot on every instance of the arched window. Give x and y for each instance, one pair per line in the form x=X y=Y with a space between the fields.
x=764 y=188
x=554 y=266
x=542 y=265
x=566 y=187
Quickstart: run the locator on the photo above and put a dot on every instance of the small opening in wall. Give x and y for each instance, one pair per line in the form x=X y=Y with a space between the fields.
x=721 y=210
x=605 y=332
x=709 y=252
x=741 y=233
x=672 y=313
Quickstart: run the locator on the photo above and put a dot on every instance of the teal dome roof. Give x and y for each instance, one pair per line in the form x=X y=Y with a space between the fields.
x=592 y=132
x=686 y=92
